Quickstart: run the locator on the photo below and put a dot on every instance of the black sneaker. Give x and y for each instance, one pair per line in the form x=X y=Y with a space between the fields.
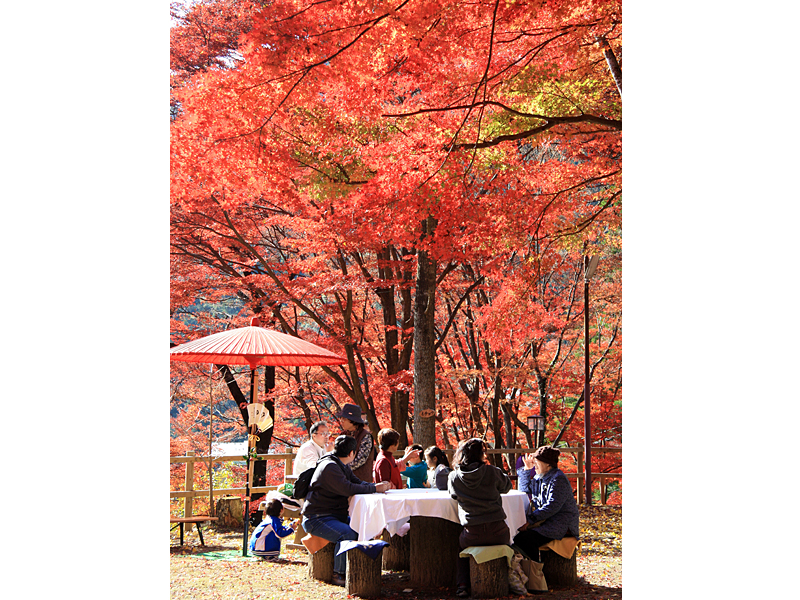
x=462 y=592
x=338 y=580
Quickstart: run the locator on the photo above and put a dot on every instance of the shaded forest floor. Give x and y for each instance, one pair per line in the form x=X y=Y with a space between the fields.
x=195 y=576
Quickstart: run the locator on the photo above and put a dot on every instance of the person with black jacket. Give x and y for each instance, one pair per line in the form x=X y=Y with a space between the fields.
x=477 y=486
x=325 y=512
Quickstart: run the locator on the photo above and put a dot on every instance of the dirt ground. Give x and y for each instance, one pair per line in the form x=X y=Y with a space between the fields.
x=195 y=576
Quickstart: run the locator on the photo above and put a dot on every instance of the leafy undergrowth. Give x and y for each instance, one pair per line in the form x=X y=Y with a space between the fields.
x=194 y=576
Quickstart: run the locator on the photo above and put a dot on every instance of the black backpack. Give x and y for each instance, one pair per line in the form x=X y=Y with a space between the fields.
x=300 y=488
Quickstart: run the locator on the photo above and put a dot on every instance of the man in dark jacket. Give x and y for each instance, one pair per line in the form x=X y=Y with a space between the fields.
x=325 y=512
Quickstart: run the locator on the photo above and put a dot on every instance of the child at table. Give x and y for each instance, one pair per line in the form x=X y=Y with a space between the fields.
x=386 y=468
x=438 y=468
x=266 y=539
x=416 y=472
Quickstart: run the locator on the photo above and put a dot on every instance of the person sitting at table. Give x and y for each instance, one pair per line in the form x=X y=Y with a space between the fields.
x=476 y=486
x=386 y=468
x=553 y=513
x=325 y=512
x=313 y=449
x=416 y=471
x=266 y=539
x=354 y=425
x=438 y=468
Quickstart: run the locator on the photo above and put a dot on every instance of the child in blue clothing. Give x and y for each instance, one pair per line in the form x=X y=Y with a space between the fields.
x=266 y=539
x=416 y=471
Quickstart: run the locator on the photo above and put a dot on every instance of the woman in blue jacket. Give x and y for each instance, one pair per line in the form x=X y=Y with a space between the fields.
x=553 y=512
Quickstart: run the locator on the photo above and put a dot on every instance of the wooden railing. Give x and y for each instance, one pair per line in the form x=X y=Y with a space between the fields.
x=188 y=493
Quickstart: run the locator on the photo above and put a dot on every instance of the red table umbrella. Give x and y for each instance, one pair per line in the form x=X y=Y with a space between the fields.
x=254 y=346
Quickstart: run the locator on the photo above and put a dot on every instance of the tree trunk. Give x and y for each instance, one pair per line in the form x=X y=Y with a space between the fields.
x=265 y=438
x=363 y=576
x=320 y=564
x=424 y=342
x=613 y=65
x=497 y=459
x=488 y=579
x=230 y=512
x=559 y=570
x=397 y=554
x=434 y=551
x=390 y=341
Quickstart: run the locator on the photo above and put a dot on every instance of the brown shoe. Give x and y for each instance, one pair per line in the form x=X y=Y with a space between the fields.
x=338 y=580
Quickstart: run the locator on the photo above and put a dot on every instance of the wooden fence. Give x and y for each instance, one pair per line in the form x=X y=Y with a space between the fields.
x=188 y=493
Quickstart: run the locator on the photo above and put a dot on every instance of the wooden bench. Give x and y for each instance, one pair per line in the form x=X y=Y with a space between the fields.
x=196 y=520
x=299 y=533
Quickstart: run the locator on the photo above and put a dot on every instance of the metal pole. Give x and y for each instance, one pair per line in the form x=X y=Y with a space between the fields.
x=587 y=420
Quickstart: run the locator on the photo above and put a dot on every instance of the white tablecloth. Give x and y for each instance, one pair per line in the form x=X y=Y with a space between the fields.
x=371 y=513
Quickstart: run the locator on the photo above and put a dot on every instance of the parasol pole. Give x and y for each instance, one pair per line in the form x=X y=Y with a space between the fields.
x=210 y=429
x=252 y=432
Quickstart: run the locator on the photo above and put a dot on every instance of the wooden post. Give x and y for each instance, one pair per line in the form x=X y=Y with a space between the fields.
x=287 y=469
x=580 y=473
x=189 y=485
x=488 y=579
x=363 y=577
x=320 y=564
x=211 y=485
x=603 y=487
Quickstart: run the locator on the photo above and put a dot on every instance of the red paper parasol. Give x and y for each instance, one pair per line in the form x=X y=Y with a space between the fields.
x=254 y=346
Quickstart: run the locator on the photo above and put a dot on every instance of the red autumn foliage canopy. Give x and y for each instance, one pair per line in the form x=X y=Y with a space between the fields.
x=320 y=151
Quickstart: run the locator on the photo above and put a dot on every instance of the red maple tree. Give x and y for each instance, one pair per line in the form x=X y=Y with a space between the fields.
x=412 y=185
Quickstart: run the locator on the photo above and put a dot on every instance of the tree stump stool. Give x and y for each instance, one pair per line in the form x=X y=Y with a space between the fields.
x=435 y=550
x=488 y=579
x=396 y=556
x=557 y=569
x=363 y=577
x=320 y=563
x=230 y=512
